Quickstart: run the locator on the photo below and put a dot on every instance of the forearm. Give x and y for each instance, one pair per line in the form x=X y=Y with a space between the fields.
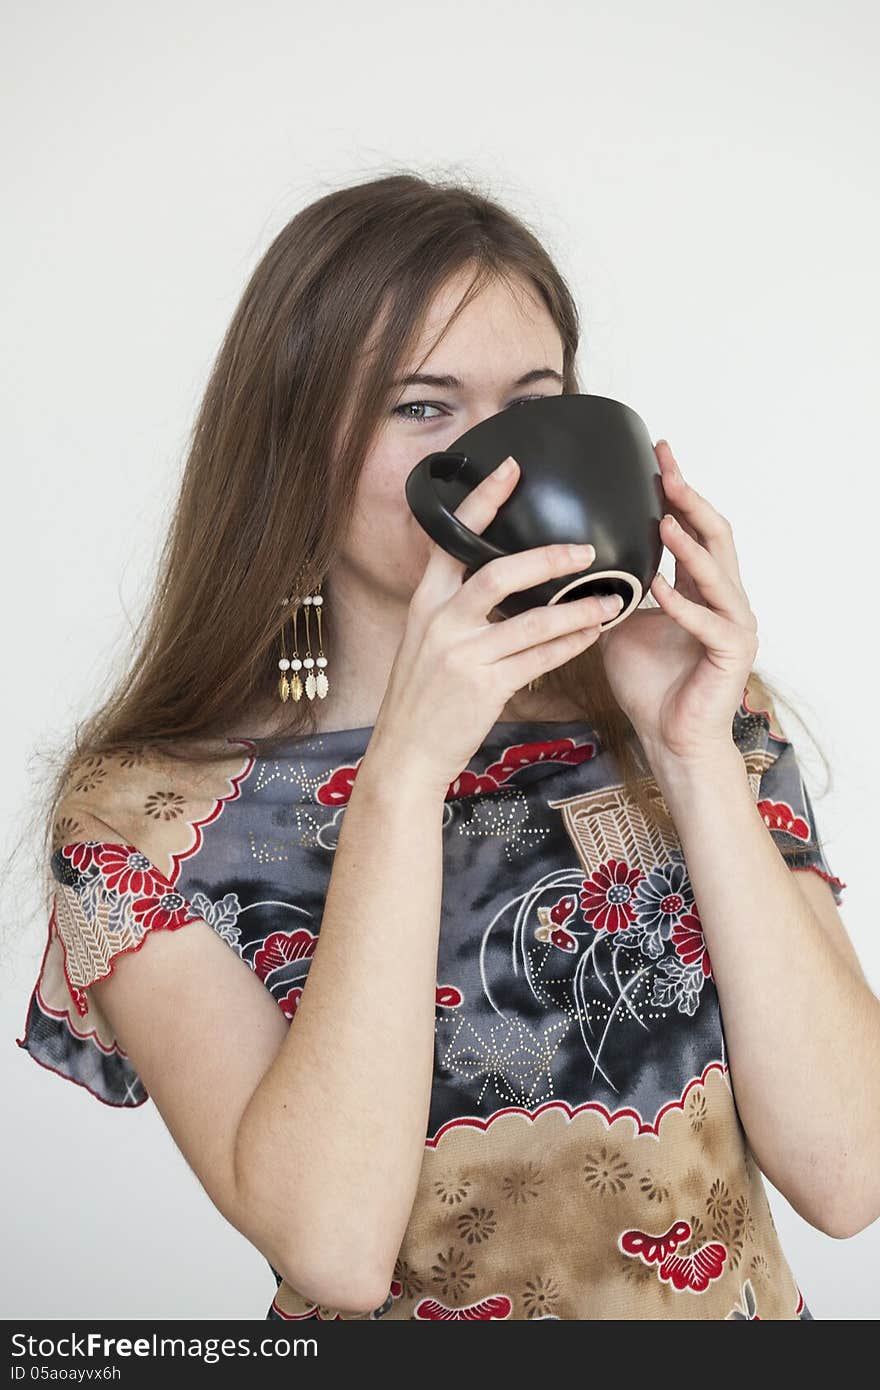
x=331 y=1144
x=802 y=1030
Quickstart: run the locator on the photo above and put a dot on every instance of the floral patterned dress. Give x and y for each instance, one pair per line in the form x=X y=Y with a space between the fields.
x=584 y=1157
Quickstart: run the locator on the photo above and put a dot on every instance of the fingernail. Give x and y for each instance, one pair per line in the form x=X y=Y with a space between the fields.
x=611 y=603
x=506 y=467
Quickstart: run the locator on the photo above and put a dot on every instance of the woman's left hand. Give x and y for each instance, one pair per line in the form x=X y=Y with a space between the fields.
x=679 y=671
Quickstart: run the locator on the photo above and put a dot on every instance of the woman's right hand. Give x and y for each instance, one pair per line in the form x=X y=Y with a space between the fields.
x=455 y=669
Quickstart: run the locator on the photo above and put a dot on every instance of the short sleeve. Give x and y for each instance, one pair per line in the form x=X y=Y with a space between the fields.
x=107 y=898
x=778 y=784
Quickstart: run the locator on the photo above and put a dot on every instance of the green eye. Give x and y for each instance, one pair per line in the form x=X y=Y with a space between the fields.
x=403 y=412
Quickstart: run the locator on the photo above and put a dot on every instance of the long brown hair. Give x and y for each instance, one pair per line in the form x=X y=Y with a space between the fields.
x=335 y=305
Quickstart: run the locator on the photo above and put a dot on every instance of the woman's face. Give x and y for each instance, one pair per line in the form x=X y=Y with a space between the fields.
x=504 y=334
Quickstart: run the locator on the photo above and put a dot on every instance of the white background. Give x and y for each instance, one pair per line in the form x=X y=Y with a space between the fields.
x=706 y=177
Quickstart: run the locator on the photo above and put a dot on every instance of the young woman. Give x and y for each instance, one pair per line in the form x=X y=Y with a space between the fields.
x=417 y=924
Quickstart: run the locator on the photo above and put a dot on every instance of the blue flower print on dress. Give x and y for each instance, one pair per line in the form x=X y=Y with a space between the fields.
x=657 y=910
x=222 y=916
x=681 y=985
x=662 y=899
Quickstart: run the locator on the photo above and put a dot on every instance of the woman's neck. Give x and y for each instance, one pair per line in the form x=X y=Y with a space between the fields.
x=340 y=713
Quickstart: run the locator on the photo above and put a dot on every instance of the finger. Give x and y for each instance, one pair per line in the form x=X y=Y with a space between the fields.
x=499 y=577
x=719 y=636
x=443 y=572
x=527 y=630
x=695 y=514
x=708 y=577
x=513 y=573
x=523 y=667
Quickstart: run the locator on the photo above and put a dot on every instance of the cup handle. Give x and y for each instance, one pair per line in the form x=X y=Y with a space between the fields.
x=465 y=545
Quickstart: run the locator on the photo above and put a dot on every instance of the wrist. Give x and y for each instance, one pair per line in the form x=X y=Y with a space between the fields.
x=720 y=767
x=393 y=773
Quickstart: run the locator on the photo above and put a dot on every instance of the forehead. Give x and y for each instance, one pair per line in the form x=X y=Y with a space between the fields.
x=506 y=318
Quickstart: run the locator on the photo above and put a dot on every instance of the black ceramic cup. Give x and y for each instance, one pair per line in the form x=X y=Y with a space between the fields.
x=588 y=473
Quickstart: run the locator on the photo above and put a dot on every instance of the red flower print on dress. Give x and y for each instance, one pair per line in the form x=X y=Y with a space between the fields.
x=495 y=1306
x=690 y=943
x=289 y=1003
x=448 y=997
x=125 y=870
x=81 y=854
x=654 y=1249
x=336 y=791
x=694 y=1272
x=513 y=759
x=607 y=896
x=162 y=910
x=281 y=947
x=555 y=750
x=469 y=783
x=778 y=815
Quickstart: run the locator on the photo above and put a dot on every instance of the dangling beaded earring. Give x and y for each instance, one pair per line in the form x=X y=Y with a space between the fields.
x=313 y=684
x=286 y=687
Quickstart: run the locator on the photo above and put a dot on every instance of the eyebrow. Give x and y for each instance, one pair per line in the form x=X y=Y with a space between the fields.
x=452 y=383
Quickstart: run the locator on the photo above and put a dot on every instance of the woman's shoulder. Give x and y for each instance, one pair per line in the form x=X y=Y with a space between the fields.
x=129 y=827
x=154 y=800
